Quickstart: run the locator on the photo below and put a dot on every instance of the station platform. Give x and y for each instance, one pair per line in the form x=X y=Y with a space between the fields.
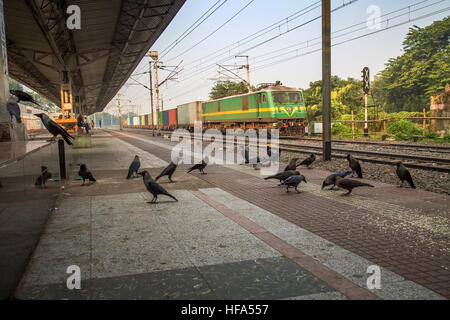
x=231 y=235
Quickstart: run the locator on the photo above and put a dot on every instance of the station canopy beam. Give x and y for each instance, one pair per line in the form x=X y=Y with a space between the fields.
x=100 y=57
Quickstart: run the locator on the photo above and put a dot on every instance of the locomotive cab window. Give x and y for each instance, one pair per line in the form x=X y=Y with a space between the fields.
x=264 y=98
x=279 y=97
x=295 y=97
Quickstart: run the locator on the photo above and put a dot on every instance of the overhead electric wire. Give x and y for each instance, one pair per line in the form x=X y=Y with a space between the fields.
x=310 y=42
x=217 y=29
x=274 y=26
x=189 y=75
x=188 y=32
x=355 y=38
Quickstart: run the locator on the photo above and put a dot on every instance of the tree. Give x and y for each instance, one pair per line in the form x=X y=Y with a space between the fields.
x=343 y=97
x=422 y=70
x=228 y=88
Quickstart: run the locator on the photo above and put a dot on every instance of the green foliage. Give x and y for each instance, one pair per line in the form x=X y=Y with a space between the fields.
x=404 y=130
x=228 y=88
x=339 y=129
x=431 y=135
x=424 y=69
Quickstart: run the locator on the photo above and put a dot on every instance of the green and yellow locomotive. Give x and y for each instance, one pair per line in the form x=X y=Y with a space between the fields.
x=274 y=107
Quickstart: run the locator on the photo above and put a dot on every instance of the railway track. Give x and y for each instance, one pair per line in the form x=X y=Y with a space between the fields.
x=411 y=161
x=444 y=149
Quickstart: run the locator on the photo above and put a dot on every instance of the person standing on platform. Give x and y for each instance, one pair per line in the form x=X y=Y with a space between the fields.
x=81 y=123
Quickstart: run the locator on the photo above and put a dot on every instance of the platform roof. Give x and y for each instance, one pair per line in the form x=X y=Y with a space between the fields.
x=114 y=36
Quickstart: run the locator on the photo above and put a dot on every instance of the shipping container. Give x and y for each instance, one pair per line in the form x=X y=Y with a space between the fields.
x=160 y=119
x=189 y=113
x=155 y=119
x=173 y=117
x=135 y=121
x=131 y=121
x=165 y=117
x=146 y=119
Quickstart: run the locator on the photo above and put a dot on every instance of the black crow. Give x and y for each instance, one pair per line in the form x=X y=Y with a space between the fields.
x=23 y=96
x=331 y=180
x=355 y=166
x=349 y=184
x=308 y=161
x=293 y=181
x=134 y=167
x=292 y=165
x=169 y=170
x=153 y=187
x=403 y=174
x=199 y=166
x=54 y=128
x=44 y=176
x=85 y=174
x=283 y=175
x=13 y=109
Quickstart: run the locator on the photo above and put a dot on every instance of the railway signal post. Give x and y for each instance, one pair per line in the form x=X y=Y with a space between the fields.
x=326 y=78
x=366 y=88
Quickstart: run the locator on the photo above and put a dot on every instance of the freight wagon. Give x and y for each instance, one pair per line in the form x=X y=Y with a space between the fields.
x=188 y=113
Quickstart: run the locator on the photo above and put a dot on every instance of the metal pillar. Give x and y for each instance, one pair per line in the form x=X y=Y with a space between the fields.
x=62 y=159
x=366 y=116
x=326 y=78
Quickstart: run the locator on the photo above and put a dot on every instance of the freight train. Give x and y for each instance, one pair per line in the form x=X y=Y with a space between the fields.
x=272 y=107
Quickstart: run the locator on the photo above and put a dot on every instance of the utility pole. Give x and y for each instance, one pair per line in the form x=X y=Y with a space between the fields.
x=151 y=95
x=326 y=78
x=247 y=66
x=120 y=110
x=154 y=56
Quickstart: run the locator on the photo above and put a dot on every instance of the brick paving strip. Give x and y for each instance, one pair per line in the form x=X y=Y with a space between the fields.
x=332 y=278
x=381 y=234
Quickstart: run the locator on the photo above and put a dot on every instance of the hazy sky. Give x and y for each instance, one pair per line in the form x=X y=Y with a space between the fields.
x=348 y=59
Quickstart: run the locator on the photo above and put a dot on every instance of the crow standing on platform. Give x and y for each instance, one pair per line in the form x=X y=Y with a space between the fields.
x=54 y=128
x=283 y=175
x=153 y=187
x=199 y=166
x=331 y=180
x=403 y=174
x=293 y=181
x=134 y=167
x=42 y=179
x=308 y=161
x=349 y=184
x=13 y=109
x=23 y=96
x=292 y=165
x=355 y=166
x=169 y=170
x=85 y=174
